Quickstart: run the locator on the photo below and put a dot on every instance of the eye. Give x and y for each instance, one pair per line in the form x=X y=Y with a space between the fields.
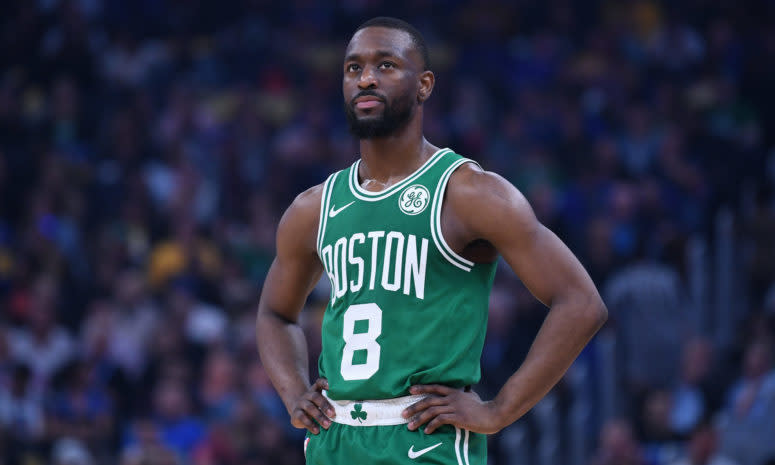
x=387 y=64
x=352 y=67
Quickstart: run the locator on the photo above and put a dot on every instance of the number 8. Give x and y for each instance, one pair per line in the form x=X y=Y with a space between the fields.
x=362 y=341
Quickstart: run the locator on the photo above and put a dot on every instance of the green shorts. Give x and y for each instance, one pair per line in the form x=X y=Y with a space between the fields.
x=373 y=433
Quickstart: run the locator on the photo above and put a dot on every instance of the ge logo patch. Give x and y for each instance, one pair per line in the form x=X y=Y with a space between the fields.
x=414 y=199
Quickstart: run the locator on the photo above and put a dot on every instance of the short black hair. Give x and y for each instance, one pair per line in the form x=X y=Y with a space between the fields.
x=395 y=23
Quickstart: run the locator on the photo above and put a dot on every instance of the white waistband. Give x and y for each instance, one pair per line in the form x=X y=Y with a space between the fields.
x=381 y=412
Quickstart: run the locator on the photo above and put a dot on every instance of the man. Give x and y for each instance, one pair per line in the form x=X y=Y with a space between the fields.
x=703 y=448
x=408 y=237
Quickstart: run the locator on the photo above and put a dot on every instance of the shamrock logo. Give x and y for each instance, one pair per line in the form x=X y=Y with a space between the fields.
x=357 y=413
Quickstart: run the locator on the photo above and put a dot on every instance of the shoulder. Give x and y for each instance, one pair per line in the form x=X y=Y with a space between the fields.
x=472 y=182
x=308 y=202
x=299 y=224
x=484 y=198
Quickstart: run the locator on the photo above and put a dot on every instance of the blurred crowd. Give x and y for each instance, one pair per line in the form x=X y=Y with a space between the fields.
x=148 y=149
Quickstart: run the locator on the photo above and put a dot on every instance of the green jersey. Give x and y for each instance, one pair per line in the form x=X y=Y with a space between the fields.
x=405 y=308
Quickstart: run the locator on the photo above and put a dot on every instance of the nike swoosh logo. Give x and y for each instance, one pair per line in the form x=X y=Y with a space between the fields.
x=335 y=211
x=413 y=455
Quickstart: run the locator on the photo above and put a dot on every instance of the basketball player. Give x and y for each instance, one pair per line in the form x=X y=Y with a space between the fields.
x=408 y=237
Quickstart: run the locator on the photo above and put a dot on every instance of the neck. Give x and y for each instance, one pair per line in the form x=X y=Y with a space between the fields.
x=389 y=159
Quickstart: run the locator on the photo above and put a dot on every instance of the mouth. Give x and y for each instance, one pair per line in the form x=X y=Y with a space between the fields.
x=367 y=101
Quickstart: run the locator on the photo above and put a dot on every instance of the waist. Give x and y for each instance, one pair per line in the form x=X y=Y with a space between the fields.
x=382 y=412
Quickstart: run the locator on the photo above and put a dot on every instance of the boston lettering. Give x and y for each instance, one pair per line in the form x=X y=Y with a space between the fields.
x=391 y=260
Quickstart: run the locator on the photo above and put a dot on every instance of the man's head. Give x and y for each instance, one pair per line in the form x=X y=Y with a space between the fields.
x=386 y=77
x=170 y=400
x=703 y=443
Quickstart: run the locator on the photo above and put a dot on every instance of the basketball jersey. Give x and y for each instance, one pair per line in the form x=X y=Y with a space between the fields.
x=404 y=309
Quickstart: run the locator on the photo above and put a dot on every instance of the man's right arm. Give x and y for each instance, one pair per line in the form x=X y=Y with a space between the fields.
x=281 y=343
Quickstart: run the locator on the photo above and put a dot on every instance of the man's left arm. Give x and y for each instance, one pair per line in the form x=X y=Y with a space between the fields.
x=486 y=206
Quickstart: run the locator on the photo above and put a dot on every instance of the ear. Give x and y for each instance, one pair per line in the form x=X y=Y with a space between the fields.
x=427 y=80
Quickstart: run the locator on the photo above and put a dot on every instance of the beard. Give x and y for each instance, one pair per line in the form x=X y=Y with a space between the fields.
x=395 y=116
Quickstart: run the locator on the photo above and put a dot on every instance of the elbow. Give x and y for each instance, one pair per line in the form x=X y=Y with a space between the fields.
x=269 y=317
x=592 y=311
x=265 y=319
x=598 y=313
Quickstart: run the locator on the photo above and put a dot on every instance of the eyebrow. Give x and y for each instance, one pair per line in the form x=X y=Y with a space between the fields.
x=378 y=53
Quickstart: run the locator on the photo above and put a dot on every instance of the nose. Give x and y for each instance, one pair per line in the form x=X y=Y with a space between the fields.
x=368 y=78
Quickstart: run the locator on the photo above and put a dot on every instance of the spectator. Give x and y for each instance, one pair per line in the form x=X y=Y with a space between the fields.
x=174 y=427
x=690 y=403
x=218 y=390
x=754 y=392
x=748 y=421
x=146 y=447
x=121 y=331
x=646 y=300
x=187 y=253
x=618 y=445
x=660 y=441
x=43 y=345
x=80 y=408
x=70 y=452
x=703 y=448
x=218 y=448
x=203 y=324
x=21 y=414
x=262 y=395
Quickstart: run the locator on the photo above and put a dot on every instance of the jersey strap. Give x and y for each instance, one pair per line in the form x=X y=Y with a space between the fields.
x=325 y=201
x=438 y=238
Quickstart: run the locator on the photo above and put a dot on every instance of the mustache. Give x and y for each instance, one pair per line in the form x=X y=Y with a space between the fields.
x=369 y=93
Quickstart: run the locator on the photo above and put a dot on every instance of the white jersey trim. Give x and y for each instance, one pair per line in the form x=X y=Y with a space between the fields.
x=465 y=447
x=457 y=446
x=363 y=194
x=438 y=237
x=325 y=200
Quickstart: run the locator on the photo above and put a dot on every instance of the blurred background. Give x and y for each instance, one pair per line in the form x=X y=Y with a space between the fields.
x=148 y=149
